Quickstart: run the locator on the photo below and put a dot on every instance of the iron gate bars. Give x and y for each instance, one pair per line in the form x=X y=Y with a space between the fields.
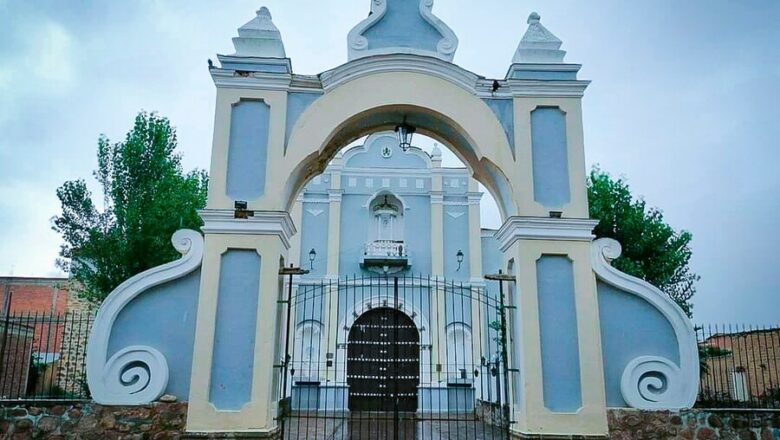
x=392 y=357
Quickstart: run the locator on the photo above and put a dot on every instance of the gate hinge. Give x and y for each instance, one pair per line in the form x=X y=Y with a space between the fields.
x=510 y=307
x=513 y=370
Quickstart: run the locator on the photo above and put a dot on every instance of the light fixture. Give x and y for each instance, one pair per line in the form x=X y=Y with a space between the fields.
x=460 y=259
x=312 y=256
x=405 y=133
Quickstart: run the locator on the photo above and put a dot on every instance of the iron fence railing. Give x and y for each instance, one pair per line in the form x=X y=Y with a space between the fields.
x=739 y=366
x=42 y=356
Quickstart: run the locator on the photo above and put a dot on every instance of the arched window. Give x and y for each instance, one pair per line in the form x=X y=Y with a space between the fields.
x=307 y=350
x=460 y=358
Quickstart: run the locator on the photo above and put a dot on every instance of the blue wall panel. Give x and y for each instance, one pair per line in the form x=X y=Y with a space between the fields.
x=550 y=157
x=314 y=235
x=297 y=103
x=630 y=327
x=163 y=318
x=504 y=110
x=403 y=26
x=248 y=150
x=558 y=332
x=236 y=326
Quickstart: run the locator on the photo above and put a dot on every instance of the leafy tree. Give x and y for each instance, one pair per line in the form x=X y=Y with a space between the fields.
x=146 y=198
x=652 y=250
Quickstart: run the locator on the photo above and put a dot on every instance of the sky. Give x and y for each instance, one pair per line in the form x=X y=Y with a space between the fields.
x=683 y=104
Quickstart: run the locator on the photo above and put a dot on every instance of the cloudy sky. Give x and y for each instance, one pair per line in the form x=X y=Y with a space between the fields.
x=684 y=104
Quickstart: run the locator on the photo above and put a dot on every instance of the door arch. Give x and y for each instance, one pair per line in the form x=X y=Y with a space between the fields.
x=383 y=362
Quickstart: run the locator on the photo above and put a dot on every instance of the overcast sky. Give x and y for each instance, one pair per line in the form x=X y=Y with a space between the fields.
x=684 y=104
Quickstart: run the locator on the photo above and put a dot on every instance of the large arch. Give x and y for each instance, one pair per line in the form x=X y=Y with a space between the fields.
x=437 y=107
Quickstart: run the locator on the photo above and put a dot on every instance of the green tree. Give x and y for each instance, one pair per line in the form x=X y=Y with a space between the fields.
x=652 y=250
x=146 y=198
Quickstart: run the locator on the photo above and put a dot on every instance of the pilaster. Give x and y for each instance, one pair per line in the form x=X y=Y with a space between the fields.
x=266 y=234
x=535 y=410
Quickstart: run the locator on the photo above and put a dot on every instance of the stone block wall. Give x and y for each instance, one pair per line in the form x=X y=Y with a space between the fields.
x=161 y=421
x=694 y=425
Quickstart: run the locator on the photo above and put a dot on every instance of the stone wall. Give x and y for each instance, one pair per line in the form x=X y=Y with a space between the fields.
x=694 y=424
x=161 y=421
x=91 y=421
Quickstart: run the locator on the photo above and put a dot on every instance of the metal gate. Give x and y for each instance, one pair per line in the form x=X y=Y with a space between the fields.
x=392 y=358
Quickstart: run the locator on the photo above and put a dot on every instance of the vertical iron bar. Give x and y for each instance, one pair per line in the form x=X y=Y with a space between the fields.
x=286 y=359
x=505 y=357
x=7 y=312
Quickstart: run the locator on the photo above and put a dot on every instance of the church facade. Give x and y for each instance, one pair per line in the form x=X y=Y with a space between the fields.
x=327 y=284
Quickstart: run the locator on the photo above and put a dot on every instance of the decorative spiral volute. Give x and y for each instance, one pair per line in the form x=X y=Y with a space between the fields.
x=135 y=375
x=651 y=382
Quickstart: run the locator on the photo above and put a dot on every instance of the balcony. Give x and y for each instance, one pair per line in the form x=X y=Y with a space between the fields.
x=385 y=256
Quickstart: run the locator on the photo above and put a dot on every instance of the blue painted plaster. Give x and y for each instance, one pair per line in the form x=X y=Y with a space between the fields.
x=550 y=157
x=558 y=333
x=248 y=150
x=504 y=110
x=630 y=327
x=163 y=318
x=236 y=325
x=297 y=103
x=456 y=237
x=372 y=157
x=314 y=235
x=403 y=26
x=418 y=232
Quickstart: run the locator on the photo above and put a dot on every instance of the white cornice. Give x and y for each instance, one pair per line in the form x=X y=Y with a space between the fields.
x=223 y=221
x=556 y=89
x=226 y=78
x=544 y=228
x=399 y=63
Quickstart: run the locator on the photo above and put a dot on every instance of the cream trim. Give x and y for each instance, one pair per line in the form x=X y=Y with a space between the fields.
x=223 y=221
x=682 y=382
x=541 y=228
x=107 y=378
x=531 y=414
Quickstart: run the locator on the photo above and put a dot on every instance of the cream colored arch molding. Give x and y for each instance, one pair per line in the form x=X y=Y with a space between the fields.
x=652 y=382
x=137 y=374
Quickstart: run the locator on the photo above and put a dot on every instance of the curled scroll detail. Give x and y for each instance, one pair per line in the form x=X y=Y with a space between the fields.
x=135 y=375
x=138 y=371
x=652 y=382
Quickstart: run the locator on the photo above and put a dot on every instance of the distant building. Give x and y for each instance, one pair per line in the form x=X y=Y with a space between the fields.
x=36 y=333
x=742 y=366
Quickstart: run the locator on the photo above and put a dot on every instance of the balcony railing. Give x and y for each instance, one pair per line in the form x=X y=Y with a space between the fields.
x=385 y=248
x=385 y=256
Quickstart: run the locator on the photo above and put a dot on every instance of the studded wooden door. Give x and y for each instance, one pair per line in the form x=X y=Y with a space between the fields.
x=383 y=362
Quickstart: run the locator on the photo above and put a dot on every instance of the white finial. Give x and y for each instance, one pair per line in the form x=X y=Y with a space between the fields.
x=436 y=152
x=538 y=45
x=259 y=37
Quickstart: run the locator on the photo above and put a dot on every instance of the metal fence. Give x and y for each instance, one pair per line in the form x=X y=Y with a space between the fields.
x=739 y=366
x=42 y=356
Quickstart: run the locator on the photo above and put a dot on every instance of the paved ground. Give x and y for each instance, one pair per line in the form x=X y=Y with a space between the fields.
x=383 y=426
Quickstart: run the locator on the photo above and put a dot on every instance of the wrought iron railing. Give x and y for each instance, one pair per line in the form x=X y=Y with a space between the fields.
x=739 y=366
x=385 y=248
x=42 y=356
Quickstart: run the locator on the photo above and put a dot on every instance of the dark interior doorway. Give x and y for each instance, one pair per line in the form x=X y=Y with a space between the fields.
x=383 y=362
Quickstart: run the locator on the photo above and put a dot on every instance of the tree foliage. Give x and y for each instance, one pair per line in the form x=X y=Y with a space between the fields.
x=146 y=198
x=652 y=250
